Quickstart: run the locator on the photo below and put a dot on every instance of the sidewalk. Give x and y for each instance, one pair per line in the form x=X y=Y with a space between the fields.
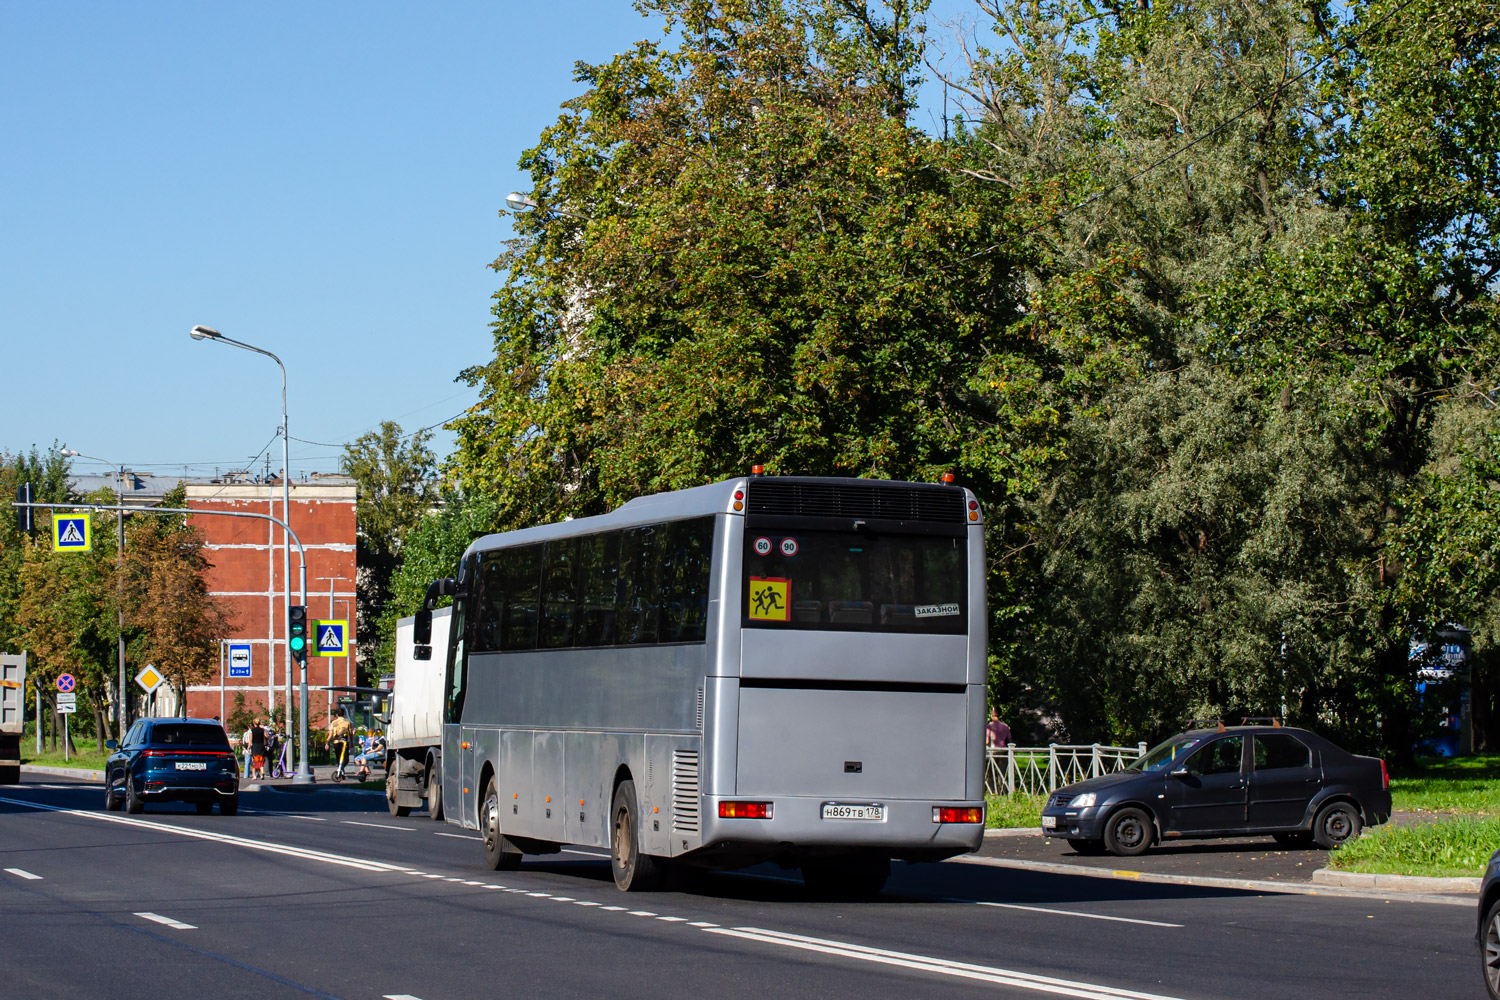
x=1248 y=861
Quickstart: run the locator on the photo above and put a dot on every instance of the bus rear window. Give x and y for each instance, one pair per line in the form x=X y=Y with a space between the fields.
x=848 y=581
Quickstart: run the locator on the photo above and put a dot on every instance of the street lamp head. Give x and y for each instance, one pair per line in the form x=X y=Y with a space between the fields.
x=69 y=453
x=204 y=333
x=518 y=202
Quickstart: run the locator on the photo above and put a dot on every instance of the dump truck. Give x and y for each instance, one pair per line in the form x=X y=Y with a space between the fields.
x=12 y=715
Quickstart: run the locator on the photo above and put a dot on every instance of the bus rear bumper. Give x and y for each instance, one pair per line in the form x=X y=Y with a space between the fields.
x=797 y=827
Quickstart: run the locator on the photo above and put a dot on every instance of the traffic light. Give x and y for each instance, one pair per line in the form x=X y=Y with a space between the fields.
x=24 y=519
x=296 y=632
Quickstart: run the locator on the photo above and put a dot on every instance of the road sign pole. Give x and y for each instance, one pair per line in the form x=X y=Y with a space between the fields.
x=65 y=737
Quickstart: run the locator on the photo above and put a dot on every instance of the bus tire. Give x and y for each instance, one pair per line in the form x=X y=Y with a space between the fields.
x=633 y=871
x=495 y=855
x=391 y=784
x=435 y=793
x=850 y=878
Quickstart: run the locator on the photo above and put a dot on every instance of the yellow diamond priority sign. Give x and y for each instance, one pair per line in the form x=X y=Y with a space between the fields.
x=149 y=678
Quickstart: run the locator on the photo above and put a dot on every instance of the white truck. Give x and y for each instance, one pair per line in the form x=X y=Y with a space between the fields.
x=414 y=734
x=13 y=715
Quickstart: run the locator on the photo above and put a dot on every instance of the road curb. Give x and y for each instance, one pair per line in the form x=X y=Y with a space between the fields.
x=1204 y=881
x=1395 y=883
x=63 y=772
x=1013 y=831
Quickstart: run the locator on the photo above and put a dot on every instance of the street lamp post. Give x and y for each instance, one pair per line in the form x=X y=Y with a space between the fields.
x=304 y=776
x=120 y=709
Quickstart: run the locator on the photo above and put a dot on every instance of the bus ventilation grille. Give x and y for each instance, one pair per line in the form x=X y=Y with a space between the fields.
x=883 y=501
x=685 y=791
x=700 y=710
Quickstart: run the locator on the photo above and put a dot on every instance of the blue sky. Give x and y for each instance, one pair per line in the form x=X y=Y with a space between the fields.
x=325 y=181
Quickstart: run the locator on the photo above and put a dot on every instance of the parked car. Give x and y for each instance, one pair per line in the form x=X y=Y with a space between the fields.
x=1225 y=782
x=172 y=760
x=1488 y=937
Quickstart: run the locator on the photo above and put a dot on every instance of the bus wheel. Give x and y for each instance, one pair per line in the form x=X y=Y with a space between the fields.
x=853 y=878
x=495 y=855
x=435 y=793
x=633 y=871
x=390 y=795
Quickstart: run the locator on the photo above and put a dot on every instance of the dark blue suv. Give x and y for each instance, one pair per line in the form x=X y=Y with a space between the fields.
x=173 y=760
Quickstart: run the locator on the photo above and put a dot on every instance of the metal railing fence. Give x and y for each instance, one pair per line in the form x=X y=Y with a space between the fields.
x=1043 y=770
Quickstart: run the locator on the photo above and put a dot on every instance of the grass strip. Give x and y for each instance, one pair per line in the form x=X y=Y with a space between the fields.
x=1004 y=811
x=1469 y=785
x=1457 y=847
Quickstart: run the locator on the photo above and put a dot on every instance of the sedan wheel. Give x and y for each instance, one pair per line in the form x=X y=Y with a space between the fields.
x=1489 y=951
x=1128 y=833
x=1337 y=823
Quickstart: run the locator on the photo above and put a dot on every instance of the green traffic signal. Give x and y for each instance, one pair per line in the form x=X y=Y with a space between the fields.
x=296 y=632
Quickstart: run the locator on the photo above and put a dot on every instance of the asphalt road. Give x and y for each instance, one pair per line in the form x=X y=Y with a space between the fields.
x=1238 y=857
x=327 y=895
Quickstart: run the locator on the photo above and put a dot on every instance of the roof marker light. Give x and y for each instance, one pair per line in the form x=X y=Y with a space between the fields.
x=947 y=477
x=757 y=470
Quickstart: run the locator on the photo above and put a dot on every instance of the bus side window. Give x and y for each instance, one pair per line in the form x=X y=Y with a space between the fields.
x=598 y=572
x=488 y=603
x=522 y=571
x=559 y=593
x=460 y=635
x=685 y=579
x=640 y=592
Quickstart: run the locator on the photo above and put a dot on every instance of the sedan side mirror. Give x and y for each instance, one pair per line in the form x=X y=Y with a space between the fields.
x=111 y=745
x=1182 y=772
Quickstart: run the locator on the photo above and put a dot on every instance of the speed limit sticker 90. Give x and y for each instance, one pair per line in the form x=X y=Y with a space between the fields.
x=762 y=546
x=789 y=546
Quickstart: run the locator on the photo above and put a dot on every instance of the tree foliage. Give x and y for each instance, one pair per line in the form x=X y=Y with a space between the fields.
x=395 y=475
x=1184 y=297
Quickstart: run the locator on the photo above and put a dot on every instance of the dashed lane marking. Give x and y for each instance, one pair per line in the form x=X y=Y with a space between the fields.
x=22 y=873
x=377 y=826
x=176 y=925
x=455 y=836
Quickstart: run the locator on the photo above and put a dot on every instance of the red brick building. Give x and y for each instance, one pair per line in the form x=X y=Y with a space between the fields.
x=247 y=572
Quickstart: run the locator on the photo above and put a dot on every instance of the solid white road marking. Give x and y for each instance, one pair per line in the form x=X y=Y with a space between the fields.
x=376 y=826
x=923 y=963
x=455 y=836
x=22 y=873
x=400 y=996
x=587 y=854
x=1065 y=913
x=176 y=925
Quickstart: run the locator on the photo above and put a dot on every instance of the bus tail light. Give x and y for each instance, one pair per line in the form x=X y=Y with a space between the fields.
x=744 y=810
x=947 y=814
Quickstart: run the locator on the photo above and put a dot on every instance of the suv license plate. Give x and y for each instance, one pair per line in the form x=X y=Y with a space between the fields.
x=837 y=810
x=191 y=766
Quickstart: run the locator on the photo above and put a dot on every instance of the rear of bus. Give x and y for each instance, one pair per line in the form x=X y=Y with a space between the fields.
x=852 y=730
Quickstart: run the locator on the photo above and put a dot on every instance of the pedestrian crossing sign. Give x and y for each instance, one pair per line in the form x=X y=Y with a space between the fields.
x=331 y=638
x=70 y=533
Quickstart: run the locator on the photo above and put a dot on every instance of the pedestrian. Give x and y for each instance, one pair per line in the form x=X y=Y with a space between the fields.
x=997 y=733
x=339 y=731
x=245 y=743
x=258 y=750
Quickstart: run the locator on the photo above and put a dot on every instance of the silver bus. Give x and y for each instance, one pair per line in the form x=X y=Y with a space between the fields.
x=765 y=669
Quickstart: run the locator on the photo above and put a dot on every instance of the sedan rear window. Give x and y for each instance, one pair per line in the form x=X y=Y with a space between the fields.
x=187 y=734
x=1279 y=750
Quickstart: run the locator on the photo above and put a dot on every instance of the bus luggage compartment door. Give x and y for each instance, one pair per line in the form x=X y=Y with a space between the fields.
x=851 y=744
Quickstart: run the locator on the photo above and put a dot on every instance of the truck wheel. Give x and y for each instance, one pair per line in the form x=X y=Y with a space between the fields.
x=435 y=793
x=495 y=855
x=390 y=796
x=633 y=871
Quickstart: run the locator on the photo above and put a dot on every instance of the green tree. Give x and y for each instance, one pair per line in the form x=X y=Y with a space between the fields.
x=432 y=550
x=396 y=478
x=175 y=622
x=744 y=253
